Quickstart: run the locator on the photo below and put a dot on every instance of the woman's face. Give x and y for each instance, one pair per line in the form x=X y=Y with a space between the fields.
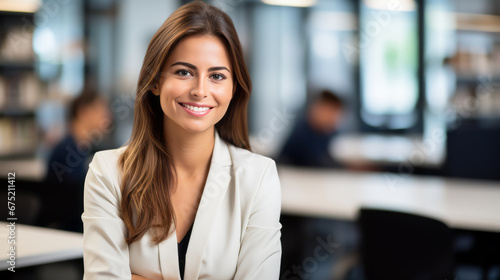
x=196 y=84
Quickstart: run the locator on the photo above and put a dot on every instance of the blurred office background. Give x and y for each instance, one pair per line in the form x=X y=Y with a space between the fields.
x=419 y=81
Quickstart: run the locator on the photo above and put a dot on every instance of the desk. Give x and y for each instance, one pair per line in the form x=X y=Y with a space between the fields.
x=389 y=149
x=460 y=203
x=36 y=245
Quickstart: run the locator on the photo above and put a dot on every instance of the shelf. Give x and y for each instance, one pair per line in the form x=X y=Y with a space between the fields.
x=19 y=88
x=18 y=155
x=485 y=118
x=16 y=14
x=26 y=168
x=494 y=34
x=17 y=65
x=17 y=113
x=469 y=79
x=475 y=22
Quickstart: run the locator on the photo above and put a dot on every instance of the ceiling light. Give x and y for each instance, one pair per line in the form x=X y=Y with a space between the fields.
x=291 y=3
x=400 y=5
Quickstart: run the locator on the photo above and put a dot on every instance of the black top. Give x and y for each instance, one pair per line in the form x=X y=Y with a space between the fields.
x=182 y=249
x=64 y=181
x=307 y=147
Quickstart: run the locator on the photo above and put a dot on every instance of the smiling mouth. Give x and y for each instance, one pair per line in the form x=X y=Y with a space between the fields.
x=196 y=108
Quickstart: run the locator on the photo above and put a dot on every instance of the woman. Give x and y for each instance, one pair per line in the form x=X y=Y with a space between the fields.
x=186 y=199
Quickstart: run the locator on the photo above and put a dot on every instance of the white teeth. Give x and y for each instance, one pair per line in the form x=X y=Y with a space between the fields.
x=196 y=109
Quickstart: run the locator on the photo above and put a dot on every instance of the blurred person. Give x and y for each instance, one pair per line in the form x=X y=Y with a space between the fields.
x=186 y=198
x=89 y=118
x=308 y=144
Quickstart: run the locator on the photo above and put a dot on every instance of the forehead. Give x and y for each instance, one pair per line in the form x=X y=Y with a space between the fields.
x=200 y=50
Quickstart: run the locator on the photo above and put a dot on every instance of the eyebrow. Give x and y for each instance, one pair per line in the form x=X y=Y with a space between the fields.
x=189 y=65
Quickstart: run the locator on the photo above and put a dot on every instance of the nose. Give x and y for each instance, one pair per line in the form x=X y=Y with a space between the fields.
x=199 y=90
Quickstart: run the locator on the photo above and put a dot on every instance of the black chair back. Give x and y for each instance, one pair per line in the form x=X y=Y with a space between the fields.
x=397 y=245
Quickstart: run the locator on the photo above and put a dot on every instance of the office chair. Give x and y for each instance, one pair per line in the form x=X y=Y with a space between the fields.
x=397 y=245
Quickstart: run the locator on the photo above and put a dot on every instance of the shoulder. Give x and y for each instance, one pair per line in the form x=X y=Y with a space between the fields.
x=103 y=176
x=256 y=178
x=108 y=156
x=245 y=159
x=255 y=173
x=107 y=160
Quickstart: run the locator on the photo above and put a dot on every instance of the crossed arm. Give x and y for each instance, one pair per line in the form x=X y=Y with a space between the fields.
x=137 y=277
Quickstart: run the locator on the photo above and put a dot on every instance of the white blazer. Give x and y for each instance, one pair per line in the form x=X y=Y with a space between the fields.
x=236 y=232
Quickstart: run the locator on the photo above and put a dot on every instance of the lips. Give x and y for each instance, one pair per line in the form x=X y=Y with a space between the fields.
x=196 y=110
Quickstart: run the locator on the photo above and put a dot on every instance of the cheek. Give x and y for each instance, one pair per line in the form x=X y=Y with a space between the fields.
x=224 y=97
x=169 y=92
x=224 y=94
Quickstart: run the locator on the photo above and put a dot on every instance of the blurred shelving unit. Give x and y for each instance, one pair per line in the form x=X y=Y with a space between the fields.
x=20 y=88
x=473 y=105
x=476 y=61
x=41 y=69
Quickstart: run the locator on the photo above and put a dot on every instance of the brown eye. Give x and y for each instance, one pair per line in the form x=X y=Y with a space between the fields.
x=183 y=72
x=218 y=77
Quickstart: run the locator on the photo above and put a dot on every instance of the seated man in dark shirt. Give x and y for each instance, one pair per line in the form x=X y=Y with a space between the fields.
x=62 y=200
x=308 y=143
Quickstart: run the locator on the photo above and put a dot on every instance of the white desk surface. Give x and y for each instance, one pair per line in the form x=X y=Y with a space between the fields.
x=460 y=203
x=36 y=245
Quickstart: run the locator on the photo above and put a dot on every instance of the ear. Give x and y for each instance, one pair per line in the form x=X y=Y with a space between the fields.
x=154 y=89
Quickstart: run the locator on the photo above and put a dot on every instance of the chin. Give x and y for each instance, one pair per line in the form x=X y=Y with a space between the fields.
x=196 y=128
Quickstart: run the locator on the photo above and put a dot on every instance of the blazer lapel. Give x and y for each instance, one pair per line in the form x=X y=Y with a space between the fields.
x=168 y=257
x=218 y=180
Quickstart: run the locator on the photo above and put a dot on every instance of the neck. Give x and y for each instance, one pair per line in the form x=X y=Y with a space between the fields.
x=78 y=131
x=191 y=152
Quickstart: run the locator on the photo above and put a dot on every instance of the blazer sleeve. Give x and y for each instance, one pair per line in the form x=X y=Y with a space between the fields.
x=105 y=252
x=260 y=251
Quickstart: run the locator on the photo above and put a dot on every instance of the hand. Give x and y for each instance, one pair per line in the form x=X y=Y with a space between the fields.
x=137 y=277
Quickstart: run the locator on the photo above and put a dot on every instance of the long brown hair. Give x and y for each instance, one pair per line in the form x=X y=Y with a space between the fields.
x=148 y=171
